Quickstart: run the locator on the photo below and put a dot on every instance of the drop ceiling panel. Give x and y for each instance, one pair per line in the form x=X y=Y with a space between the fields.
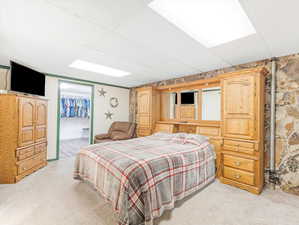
x=244 y=50
x=276 y=23
x=105 y=13
x=152 y=30
x=128 y=35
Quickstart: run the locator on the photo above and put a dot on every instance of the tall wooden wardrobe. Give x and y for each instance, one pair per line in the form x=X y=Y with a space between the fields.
x=23 y=136
x=148 y=110
x=242 y=152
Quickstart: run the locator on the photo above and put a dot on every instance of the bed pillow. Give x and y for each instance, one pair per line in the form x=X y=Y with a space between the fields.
x=179 y=138
x=163 y=135
x=196 y=139
x=183 y=138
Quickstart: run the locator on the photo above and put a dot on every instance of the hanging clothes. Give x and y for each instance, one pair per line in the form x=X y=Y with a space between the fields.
x=74 y=107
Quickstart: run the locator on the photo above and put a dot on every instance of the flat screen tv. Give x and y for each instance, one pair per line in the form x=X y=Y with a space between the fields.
x=26 y=80
x=187 y=98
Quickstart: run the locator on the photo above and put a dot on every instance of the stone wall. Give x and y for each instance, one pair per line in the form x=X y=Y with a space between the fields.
x=287 y=113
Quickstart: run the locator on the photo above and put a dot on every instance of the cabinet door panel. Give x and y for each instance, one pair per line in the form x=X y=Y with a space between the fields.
x=41 y=121
x=239 y=107
x=26 y=121
x=144 y=101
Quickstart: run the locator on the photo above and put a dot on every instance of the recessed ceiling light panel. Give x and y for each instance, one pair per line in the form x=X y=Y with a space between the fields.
x=96 y=68
x=211 y=22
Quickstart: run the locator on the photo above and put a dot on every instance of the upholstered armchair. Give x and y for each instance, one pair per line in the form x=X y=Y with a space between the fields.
x=117 y=131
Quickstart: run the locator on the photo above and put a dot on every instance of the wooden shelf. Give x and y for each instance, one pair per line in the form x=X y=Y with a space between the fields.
x=206 y=124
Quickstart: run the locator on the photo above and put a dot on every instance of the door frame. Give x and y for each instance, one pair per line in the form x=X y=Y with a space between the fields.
x=59 y=118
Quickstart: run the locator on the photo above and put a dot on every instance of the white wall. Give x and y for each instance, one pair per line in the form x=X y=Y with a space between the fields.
x=51 y=92
x=72 y=128
x=101 y=105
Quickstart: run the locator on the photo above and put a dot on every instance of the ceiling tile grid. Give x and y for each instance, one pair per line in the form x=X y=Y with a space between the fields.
x=128 y=35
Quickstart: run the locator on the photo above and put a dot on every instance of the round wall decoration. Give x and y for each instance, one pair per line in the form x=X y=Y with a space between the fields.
x=114 y=102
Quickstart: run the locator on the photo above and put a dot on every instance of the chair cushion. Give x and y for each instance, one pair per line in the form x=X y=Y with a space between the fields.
x=97 y=141
x=121 y=126
x=118 y=135
x=102 y=136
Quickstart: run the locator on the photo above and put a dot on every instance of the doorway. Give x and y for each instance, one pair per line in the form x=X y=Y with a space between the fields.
x=75 y=118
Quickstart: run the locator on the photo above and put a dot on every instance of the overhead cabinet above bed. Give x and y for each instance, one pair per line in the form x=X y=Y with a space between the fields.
x=228 y=108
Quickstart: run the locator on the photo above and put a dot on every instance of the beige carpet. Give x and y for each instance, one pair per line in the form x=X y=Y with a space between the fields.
x=52 y=197
x=69 y=148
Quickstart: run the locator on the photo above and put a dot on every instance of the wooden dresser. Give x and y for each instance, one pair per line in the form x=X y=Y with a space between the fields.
x=238 y=136
x=23 y=136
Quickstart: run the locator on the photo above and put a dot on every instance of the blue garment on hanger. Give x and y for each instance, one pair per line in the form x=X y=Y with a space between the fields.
x=74 y=107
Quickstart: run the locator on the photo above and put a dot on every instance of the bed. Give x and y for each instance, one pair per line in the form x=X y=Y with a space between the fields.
x=143 y=177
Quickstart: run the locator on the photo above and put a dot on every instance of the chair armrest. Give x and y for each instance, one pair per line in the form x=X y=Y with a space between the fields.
x=102 y=136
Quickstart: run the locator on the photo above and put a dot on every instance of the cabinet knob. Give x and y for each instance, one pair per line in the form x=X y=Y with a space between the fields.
x=237 y=176
x=237 y=163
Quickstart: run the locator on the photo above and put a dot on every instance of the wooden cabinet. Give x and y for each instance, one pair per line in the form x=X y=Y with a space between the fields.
x=238 y=138
x=242 y=152
x=23 y=136
x=148 y=110
x=239 y=107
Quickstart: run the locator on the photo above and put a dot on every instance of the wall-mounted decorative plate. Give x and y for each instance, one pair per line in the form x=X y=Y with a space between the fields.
x=114 y=102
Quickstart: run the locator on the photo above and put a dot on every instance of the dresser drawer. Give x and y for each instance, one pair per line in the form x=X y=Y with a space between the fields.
x=239 y=163
x=238 y=175
x=27 y=164
x=40 y=148
x=239 y=146
x=24 y=153
x=167 y=128
x=208 y=131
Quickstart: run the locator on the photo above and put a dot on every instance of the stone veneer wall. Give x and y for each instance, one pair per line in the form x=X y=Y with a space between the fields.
x=287 y=113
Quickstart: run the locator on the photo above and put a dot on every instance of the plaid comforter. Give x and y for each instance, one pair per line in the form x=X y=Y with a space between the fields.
x=142 y=177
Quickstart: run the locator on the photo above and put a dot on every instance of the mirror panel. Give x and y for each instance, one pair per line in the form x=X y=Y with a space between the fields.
x=168 y=105
x=211 y=104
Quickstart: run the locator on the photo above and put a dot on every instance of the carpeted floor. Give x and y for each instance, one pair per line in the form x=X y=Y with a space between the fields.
x=51 y=197
x=69 y=148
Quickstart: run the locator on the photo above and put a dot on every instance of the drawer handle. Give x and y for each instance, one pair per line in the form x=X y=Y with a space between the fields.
x=237 y=176
x=237 y=163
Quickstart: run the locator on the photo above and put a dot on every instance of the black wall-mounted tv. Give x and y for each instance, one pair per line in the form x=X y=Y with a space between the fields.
x=187 y=98
x=26 y=80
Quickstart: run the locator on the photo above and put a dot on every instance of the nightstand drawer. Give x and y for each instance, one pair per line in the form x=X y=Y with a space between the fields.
x=239 y=146
x=239 y=163
x=238 y=175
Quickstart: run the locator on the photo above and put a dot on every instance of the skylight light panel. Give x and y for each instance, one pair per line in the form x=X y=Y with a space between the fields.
x=211 y=22
x=96 y=68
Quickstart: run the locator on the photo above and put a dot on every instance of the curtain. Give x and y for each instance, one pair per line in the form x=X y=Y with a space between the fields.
x=74 y=107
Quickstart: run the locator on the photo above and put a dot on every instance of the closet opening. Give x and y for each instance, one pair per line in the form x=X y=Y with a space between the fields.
x=75 y=118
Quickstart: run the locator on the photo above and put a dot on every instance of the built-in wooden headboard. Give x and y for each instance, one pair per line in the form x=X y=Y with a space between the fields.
x=210 y=130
